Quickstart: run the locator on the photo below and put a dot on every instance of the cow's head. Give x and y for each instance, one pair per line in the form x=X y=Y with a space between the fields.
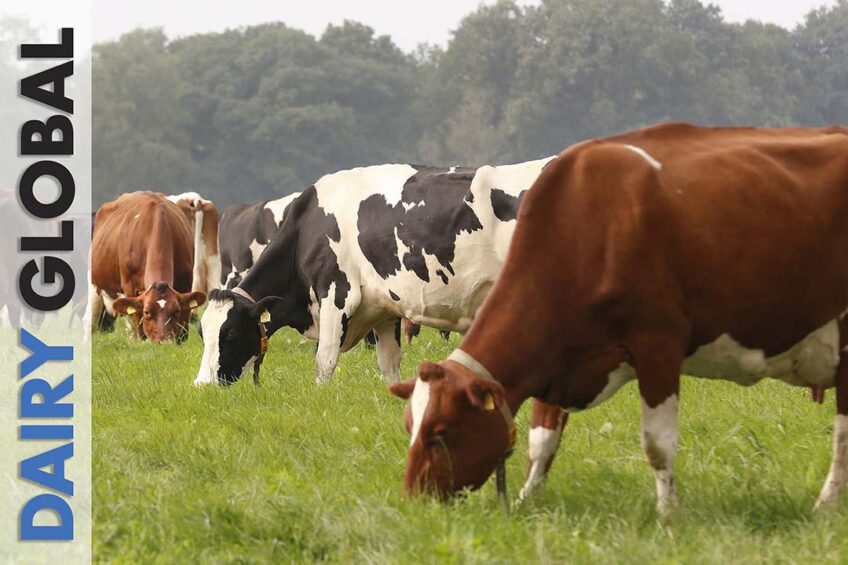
x=160 y=311
x=230 y=331
x=458 y=434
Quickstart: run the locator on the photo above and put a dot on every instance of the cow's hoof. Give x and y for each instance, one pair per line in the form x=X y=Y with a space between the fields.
x=824 y=504
x=667 y=508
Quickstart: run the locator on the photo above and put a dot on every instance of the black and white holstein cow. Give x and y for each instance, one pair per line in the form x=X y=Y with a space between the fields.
x=362 y=248
x=244 y=233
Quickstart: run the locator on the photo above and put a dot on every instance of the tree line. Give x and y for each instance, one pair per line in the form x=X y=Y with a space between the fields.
x=263 y=111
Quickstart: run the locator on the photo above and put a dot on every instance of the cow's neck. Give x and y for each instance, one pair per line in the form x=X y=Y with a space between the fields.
x=507 y=345
x=275 y=274
x=159 y=263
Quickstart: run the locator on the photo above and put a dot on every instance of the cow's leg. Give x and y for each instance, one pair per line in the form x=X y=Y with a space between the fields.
x=213 y=272
x=658 y=365
x=332 y=324
x=545 y=435
x=837 y=477
x=93 y=312
x=388 y=350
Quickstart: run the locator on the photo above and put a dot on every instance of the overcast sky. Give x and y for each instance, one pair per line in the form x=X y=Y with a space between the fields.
x=409 y=23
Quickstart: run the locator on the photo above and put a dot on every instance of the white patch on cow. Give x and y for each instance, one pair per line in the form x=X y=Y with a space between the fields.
x=109 y=301
x=810 y=362
x=337 y=190
x=256 y=250
x=543 y=444
x=645 y=155
x=418 y=403
x=278 y=206
x=193 y=197
x=136 y=216
x=211 y=321
x=161 y=303
x=615 y=380
x=408 y=206
x=837 y=477
x=659 y=440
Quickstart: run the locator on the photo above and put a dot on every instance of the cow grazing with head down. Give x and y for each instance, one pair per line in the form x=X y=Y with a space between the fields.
x=141 y=265
x=246 y=230
x=203 y=219
x=362 y=248
x=713 y=252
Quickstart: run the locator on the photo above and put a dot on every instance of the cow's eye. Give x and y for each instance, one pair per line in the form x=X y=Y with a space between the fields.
x=437 y=438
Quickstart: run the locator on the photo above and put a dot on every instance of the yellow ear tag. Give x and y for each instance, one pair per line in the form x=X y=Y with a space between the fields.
x=265 y=316
x=193 y=303
x=489 y=402
x=130 y=309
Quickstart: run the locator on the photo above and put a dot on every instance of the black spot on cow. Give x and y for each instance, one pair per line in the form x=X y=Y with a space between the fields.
x=433 y=211
x=505 y=205
x=415 y=262
x=394 y=296
x=345 y=324
x=442 y=276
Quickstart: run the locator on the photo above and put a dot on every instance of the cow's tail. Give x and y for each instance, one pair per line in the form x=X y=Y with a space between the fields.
x=197 y=279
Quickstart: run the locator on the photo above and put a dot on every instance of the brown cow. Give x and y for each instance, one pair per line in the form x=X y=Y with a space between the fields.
x=141 y=258
x=714 y=252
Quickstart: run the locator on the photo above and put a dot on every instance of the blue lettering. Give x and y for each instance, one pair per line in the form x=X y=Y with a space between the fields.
x=31 y=469
x=49 y=502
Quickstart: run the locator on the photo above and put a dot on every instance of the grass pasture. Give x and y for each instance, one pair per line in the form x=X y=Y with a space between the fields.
x=291 y=472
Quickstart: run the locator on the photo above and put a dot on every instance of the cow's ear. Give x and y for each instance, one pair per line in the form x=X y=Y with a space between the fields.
x=428 y=371
x=403 y=389
x=270 y=309
x=484 y=393
x=192 y=300
x=126 y=306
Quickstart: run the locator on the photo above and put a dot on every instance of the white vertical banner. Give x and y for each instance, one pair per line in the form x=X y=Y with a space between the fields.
x=45 y=228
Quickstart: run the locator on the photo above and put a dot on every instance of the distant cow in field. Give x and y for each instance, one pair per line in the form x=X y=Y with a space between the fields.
x=362 y=248
x=203 y=219
x=141 y=265
x=245 y=231
x=712 y=252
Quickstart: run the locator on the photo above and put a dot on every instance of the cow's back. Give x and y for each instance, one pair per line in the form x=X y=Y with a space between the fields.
x=739 y=230
x=424 y=243
x=124 y=239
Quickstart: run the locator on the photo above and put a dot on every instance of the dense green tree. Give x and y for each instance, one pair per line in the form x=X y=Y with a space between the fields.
x=262 y=111
x=140 y=131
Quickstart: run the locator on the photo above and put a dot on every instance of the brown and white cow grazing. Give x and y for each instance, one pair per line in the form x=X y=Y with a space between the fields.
x=714 y=252
x=203 y=218
x=141 y=265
